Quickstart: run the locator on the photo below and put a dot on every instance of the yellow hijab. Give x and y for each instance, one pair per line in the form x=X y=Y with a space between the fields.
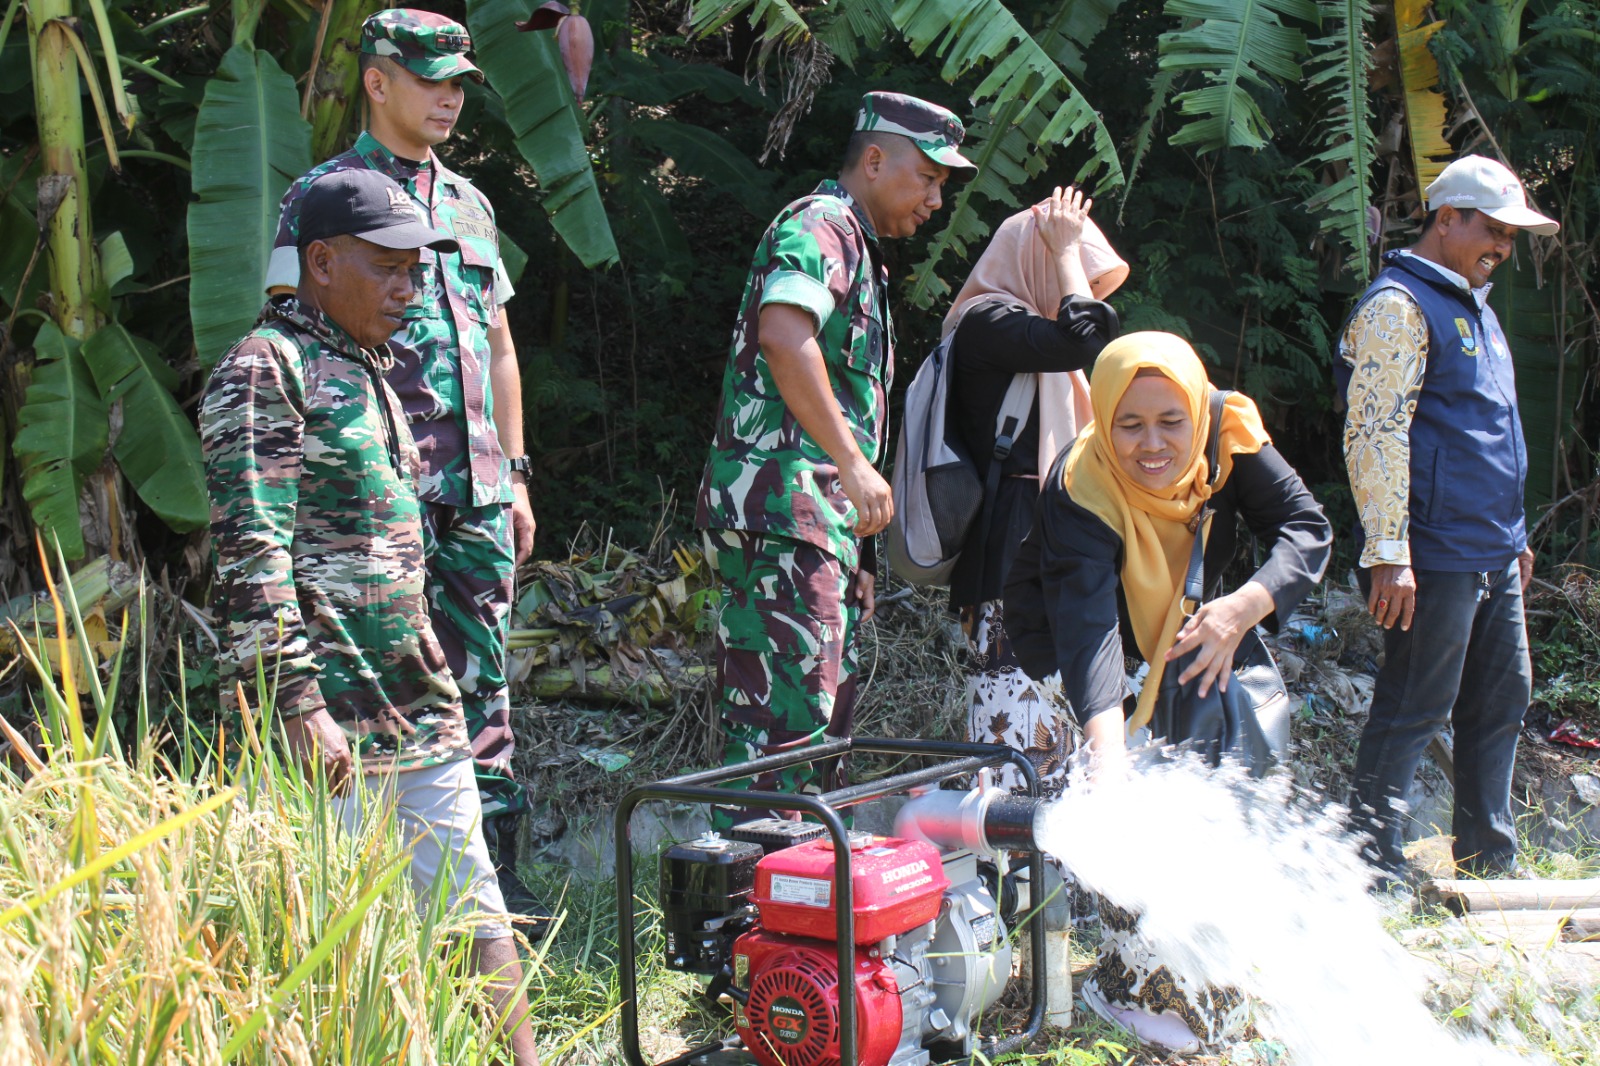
x=1156 y=527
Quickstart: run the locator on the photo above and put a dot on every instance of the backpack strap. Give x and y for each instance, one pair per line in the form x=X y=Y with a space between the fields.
x=1194 y=580
x=1013 y=412
x=1007 y=424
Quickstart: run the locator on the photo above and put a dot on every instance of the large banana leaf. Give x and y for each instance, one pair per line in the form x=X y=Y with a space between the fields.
x=61 y=436
x=1234 y=43
x=249 y=144
x=1067 y=38
x=526 y=70
x=970 y=34
x=1345 y=129
x=777 y=20
x=1426 y=113
x=1031 y=107
x=158 y=448
x=852 y=25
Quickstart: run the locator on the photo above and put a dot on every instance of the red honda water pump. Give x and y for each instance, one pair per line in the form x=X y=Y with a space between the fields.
x=889 y=964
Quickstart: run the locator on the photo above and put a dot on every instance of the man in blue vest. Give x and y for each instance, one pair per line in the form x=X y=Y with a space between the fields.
x=1437 y=463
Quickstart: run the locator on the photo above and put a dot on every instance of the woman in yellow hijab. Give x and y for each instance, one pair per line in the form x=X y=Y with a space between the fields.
x=1101 y=575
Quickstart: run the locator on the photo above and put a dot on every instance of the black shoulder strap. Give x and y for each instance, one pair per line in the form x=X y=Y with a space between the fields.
x=1194 y=581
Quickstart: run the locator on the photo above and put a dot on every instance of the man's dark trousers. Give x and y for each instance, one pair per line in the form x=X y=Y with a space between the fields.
x=1464 y=663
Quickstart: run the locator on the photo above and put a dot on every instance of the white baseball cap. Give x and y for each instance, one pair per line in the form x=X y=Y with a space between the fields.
x=1489 y=186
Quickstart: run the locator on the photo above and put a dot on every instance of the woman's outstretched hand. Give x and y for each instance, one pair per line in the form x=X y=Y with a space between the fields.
x=1216 y=630
x=1061 y=220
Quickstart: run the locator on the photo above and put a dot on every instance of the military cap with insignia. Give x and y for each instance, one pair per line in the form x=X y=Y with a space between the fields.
x=932 y=128
x=429 y=45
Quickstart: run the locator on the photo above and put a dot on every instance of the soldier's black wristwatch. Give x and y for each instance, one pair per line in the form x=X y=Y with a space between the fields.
x=522 y=464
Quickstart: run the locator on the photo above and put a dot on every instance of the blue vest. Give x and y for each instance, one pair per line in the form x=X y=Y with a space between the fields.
x=1468 y=458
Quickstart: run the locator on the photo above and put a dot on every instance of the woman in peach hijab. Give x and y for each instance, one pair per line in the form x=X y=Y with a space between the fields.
x=1033 y=305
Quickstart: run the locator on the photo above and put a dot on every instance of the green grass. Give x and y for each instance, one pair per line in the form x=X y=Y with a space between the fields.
x=202 y=907
x=210 y=911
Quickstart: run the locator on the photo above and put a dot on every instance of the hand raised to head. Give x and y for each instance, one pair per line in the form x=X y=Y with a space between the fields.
x=1061 y=220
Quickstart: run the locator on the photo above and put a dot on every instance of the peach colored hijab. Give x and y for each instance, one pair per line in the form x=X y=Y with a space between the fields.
x=1017 y=266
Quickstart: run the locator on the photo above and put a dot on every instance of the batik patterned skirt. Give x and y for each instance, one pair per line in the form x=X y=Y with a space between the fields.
x=1006 y=706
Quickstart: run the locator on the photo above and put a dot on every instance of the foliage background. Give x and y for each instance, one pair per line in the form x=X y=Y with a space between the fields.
x=1239 y=178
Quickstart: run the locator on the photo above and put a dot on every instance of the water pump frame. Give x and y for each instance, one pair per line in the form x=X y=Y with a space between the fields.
x=700 y=788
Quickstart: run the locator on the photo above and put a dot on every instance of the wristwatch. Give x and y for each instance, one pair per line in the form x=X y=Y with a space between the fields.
x=521 y=464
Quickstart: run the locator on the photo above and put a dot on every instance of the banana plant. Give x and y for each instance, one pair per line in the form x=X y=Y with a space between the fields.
x=61 y=427
x=333 y=84
x=250 y=142
x=1026 y=105
x=92 y=386
x=527 y=71
x=1345 y=129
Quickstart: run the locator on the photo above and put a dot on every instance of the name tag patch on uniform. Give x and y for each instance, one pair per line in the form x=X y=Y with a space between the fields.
x=1469 y=343
x=482 y=231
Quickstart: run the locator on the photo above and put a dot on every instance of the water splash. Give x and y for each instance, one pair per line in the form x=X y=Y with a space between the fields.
x=1246 y=883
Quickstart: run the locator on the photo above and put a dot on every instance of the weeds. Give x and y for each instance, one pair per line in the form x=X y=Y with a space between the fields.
x=210 y=912
x=195 y=903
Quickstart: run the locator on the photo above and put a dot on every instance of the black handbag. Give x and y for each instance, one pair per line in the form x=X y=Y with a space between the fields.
x=1250 y=721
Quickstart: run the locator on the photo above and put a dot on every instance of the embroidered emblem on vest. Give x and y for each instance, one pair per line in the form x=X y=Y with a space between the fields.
x=1469 y=343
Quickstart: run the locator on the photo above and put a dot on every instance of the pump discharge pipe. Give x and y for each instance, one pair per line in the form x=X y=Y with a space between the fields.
x=991 y=821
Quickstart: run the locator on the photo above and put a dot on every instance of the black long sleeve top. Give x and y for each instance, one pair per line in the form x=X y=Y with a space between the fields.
x=994 y=342
x=1064 y=602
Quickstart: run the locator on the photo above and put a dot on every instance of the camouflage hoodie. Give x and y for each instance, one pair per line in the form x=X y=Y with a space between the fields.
x=316 y=527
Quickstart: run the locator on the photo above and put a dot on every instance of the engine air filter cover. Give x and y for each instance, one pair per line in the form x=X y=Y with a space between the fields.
x=703 y=881
x=896 y=886
x=775 y=834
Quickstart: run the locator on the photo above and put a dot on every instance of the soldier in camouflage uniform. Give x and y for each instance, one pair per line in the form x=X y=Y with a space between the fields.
x=318 y=533
x=456 y=374
x=790 y=489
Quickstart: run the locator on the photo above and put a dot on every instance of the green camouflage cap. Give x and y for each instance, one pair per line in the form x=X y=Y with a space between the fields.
x=427 y=44
x=930 y=127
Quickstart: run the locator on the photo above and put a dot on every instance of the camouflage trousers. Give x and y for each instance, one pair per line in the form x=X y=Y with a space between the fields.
x=785 y=654
x=471 y=560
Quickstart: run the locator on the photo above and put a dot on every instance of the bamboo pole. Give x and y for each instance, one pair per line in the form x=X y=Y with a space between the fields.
x=1523 y=927
x=1581 y=927
x=1462 y=897
x=602 y=684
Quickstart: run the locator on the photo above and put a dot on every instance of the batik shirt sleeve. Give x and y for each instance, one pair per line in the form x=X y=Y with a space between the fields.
x=252 y=427
x=1386 y=347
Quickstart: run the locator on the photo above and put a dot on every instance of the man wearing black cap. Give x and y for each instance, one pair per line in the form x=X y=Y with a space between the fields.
x=455 y=371
x=317 y=528
x=791 y=488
